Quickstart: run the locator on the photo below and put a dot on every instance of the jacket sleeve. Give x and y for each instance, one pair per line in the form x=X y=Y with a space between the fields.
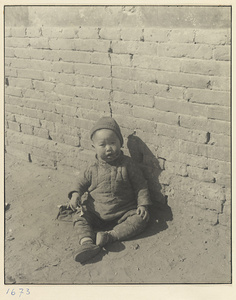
x=82 y=184
x=139 y=184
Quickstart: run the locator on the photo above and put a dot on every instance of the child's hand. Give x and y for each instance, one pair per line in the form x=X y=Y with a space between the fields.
x=143 y=212
x=73 y=203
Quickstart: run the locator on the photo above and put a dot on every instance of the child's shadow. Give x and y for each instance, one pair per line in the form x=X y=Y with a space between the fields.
x=160 y=212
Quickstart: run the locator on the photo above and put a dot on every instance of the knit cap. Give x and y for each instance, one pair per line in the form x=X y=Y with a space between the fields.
x=107 y=123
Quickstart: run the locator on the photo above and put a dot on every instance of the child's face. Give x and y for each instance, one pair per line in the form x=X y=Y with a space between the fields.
x=106 y=144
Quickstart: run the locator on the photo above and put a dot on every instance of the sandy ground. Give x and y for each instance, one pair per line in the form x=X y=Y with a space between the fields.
x=38 y=247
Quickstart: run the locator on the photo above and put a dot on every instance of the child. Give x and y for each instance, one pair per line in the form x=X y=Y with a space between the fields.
x=118 y=196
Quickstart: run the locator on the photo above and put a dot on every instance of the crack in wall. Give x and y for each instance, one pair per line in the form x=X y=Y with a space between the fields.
x=209 y=85
x=111 y=90
x=194 y=36
x=99 y=29
x=29 y=157
x=110 y=108
x=222 y=205
x=179 y=121
x=208 y=137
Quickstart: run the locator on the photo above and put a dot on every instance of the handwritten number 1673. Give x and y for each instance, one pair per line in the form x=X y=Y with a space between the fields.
x=21 y=291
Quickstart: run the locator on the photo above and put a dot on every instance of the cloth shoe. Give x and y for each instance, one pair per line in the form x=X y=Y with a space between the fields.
x=103 y=238
x=86 y=251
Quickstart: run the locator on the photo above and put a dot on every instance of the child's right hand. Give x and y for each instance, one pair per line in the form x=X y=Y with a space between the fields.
x=74 y=201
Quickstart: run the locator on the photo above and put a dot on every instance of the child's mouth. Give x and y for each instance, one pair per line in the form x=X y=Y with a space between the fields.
x=111 y=156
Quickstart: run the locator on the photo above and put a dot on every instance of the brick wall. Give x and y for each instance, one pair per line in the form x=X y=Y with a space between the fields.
x=168 y=86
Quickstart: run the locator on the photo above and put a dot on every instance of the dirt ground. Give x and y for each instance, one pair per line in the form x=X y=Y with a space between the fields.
x=38 y=247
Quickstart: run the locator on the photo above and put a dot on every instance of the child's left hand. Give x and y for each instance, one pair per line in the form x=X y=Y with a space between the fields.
x=143 y=212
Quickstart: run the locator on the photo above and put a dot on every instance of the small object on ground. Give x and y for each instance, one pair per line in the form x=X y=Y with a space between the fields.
x=136 y=247
x=65 y=212
x=7 y=206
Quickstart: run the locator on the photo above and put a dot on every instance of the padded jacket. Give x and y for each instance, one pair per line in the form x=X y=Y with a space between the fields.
x=113 y=188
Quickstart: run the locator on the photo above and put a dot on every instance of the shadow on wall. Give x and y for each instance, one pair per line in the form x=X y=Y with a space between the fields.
x=150 y=166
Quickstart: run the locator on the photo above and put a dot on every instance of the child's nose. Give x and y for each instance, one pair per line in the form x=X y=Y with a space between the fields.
x=108 y=147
